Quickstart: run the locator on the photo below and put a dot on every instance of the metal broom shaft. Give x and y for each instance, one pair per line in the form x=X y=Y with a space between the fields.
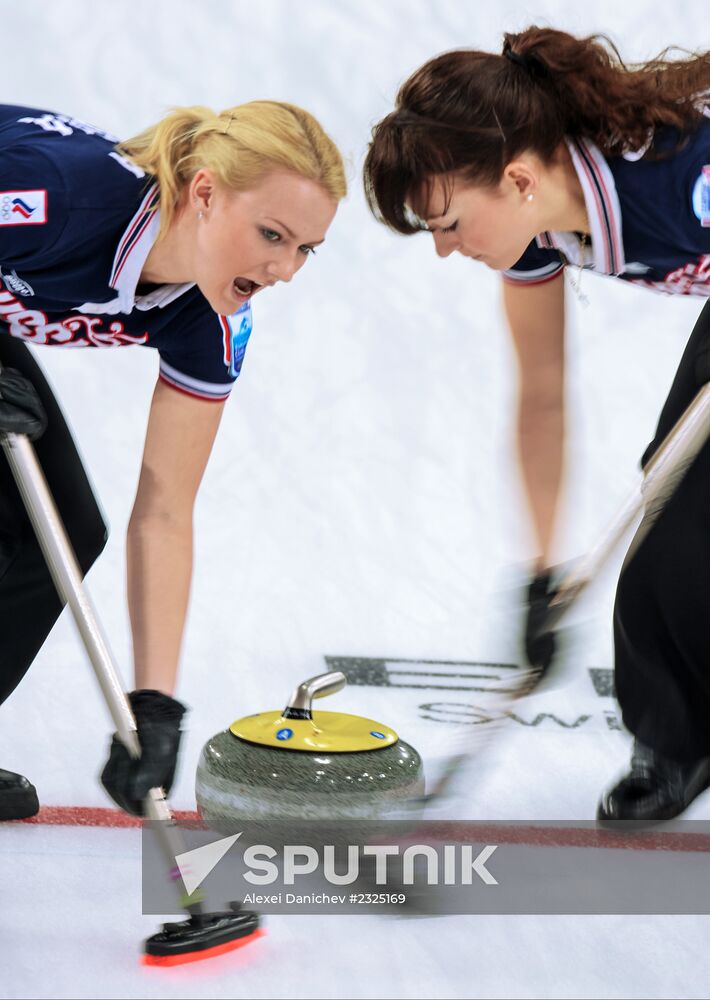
x=662 y=476
x=66 y=574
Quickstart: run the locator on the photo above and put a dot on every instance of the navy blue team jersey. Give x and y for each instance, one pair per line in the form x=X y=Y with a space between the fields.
x=77 y=221
x=649 y=218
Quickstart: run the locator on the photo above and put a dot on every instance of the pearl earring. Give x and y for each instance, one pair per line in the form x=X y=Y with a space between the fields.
x=200 y=214
x=529 y=197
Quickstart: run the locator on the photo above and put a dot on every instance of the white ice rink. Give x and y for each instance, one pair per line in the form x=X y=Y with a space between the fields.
x=362 y=501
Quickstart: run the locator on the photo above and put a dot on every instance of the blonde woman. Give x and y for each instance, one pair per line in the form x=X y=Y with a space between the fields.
x=160 y=241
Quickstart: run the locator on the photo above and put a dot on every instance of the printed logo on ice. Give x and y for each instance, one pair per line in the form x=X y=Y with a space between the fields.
x=23 y=208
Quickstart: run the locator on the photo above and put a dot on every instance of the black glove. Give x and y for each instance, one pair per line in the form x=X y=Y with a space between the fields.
x=21 y=409
x=539 y=641
x=128 y=781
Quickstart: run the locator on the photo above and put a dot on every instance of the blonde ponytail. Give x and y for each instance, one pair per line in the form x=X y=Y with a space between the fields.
x=239 y=145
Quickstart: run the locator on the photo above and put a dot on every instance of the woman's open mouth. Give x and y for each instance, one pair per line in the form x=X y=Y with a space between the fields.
x=245 y=287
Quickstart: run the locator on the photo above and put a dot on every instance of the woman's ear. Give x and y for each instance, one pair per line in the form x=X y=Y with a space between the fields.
x=202 y=189
x=522 y=176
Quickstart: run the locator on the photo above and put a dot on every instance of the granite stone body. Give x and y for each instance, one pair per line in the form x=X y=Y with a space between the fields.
x=239 y=781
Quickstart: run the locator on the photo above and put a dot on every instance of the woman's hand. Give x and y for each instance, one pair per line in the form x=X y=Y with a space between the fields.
x=539 y=640
x=21 y=409
x=128 y=781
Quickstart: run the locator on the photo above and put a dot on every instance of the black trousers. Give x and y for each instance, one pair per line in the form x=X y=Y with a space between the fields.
x=662 y=611
x=29 y=605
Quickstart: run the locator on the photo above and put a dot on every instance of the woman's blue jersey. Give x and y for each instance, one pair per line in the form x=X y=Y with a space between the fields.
x=77 y=221
x=649 y=218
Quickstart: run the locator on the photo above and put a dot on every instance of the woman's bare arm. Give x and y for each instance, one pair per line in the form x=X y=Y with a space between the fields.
x=537 y=323
x=181 y=431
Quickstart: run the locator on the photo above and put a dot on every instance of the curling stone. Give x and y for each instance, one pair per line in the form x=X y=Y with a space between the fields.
x=299 y=765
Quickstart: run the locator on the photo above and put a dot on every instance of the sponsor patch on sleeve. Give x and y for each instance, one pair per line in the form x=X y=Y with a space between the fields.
x=238 y=329
x=701 y=196
x=23 y=208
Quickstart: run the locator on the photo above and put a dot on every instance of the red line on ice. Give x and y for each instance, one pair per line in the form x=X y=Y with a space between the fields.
x=494 y=833
x=94 y=816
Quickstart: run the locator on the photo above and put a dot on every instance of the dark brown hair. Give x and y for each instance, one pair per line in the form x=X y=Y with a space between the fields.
x=473 y=112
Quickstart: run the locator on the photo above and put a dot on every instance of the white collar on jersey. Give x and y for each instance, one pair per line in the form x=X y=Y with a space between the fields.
x=131 y=254
x=606 y=253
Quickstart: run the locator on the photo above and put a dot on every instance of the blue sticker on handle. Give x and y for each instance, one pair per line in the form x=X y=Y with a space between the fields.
x=284 y=734
x=378 y=736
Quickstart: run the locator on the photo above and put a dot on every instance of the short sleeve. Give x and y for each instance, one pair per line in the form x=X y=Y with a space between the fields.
x=34 y=208
x=203 y=355
x=536 y=266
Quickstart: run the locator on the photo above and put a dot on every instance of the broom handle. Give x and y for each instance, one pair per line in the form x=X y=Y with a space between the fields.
x=662 y=476
x=66 y=574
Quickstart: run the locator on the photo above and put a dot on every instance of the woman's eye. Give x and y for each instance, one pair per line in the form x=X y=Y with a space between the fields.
x=307 y=250
x=451 y=228
x=271 y=235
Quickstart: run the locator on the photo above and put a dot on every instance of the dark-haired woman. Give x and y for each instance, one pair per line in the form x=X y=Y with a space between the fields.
x=554 y=154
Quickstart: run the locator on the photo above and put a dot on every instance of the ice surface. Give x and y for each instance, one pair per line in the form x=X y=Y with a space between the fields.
x=361 y=502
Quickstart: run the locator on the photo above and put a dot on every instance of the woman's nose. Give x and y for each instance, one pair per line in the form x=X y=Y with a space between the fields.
x=285 y=267
x=445 y=243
